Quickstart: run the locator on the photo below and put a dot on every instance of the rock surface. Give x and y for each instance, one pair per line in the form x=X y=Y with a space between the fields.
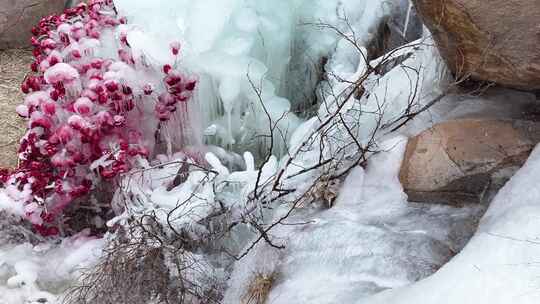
x=466 y=160
x=17 y=17
x=496 y=41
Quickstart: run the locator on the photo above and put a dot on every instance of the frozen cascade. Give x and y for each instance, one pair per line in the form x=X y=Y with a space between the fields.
x=239 y=48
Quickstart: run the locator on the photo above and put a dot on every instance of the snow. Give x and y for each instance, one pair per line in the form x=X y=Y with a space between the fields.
x=258 y=60
x=375 y=247
x=419 y=78
x=371 y=240
x=29 y=272
x=492 y=104
x=203 y=192
x=32 y=268
x=9 y=205
x=499 y=264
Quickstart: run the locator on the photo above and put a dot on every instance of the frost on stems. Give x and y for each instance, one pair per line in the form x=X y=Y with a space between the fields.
x=84 y=117
x=332 y=146
x=211 y=205
x=144 y=264
x=157 y=256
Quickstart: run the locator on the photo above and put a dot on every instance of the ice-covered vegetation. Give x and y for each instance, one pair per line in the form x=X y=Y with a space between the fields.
x=234 y=151
x=92 y=111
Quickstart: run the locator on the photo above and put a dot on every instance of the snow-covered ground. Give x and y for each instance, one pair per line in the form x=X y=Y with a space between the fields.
x=40 y=273
x=372 y=246
x=500 y=263
x=371 y=240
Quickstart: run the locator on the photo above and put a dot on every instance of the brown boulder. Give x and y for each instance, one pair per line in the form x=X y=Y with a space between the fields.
x=464 y=161
x=17 y=17
x=496 y=40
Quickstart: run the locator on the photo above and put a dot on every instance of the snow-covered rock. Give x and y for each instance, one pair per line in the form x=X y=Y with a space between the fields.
x=500 y=263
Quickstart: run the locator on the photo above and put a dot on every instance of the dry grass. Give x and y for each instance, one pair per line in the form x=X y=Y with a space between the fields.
x=259 y=288
x=14 y=65
x=143 y=265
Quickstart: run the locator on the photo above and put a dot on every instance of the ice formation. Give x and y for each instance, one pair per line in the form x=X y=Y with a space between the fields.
x=228 y=42
x=500 y=263
x=256 y=64
x=92 y=110
x=371 y=240
x=239 y=49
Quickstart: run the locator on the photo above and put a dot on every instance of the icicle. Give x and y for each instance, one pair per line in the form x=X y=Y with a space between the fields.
x=407 y=20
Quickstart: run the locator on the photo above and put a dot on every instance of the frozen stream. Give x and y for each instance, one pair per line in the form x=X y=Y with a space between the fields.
x=371 y=240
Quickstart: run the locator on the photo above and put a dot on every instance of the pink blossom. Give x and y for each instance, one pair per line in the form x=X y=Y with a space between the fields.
x=39 y=120
x=167 y=68
x=148 y=89
x=64 y=133
x=48 y=107
x=77 y=122
x=111 y=85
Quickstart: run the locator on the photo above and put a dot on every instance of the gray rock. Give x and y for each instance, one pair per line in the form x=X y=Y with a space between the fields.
x=17 y=17
x=401 y=27
x=73 y=3
x=14 y=230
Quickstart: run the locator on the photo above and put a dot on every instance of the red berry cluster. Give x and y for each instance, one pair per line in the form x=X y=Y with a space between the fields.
x=83 y=119
x=178 y=90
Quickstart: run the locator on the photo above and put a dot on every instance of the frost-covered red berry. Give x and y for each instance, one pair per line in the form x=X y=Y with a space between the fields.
x=175 y=48
x=85 y=112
